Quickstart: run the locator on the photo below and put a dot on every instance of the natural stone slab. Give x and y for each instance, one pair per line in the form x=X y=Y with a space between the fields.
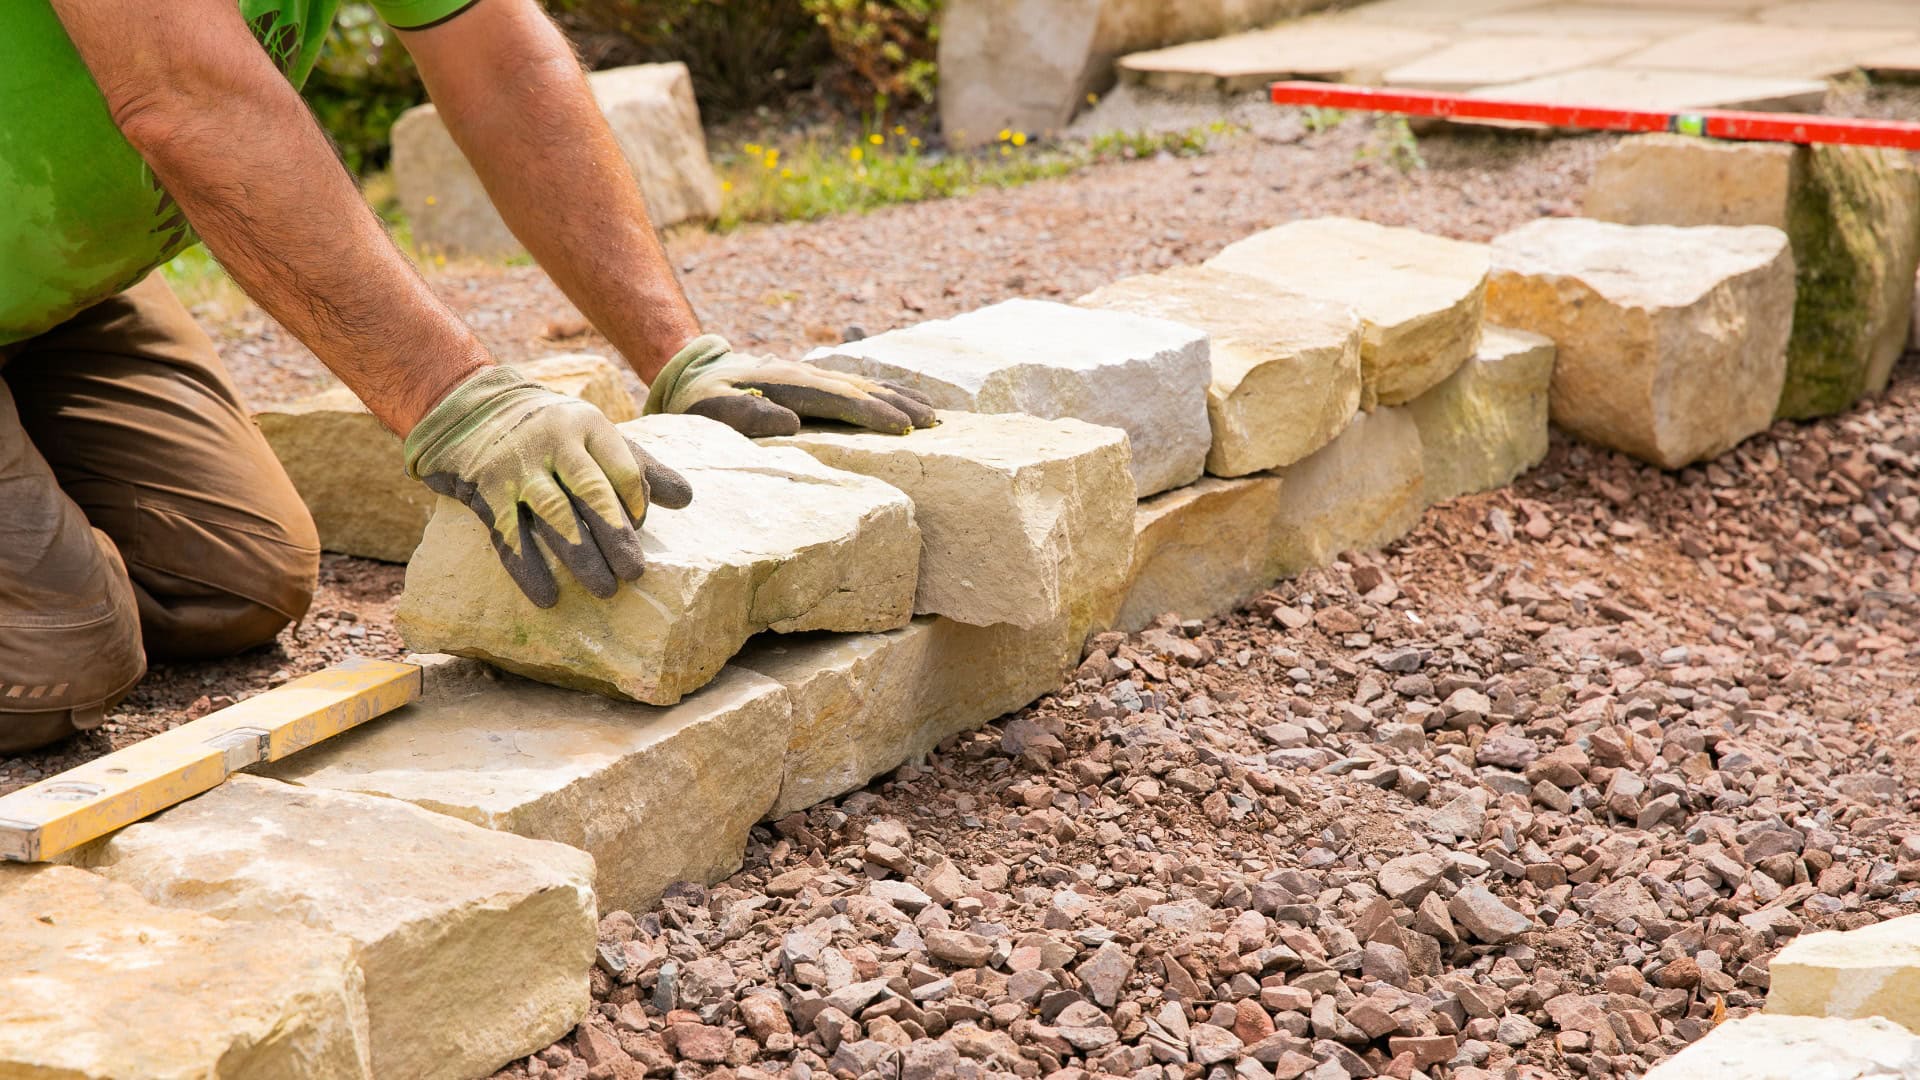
x=1672 y=341
x=1488 y=422
x=1419 y=297
x=1491 y=59
x=655 y=121
x=350 y=472
x=1147 y=377
x=1286 y=368
x=438 y=911
x=654 y=795
x=1592 y=19
x=1201 y=550
x=1901 y=62
x=1880 y=15
x=1363 y=491
x=865 y=703
x=1665 y=91
x=1763 y=1047
x=1333 y=50
x=1799 y=52
x=1445 y=14
x=1853 y=974
x=1851 y=213
x=1021 y=519
x=773 y=539
x=101 y=985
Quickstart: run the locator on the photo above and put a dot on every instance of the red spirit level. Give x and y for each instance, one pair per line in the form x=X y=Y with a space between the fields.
x=1712 y=123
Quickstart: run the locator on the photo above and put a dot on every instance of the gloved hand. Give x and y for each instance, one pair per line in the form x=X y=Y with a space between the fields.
x=757 y=396
x=533 y=464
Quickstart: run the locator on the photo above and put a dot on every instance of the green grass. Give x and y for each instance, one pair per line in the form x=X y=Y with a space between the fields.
x=200 y=283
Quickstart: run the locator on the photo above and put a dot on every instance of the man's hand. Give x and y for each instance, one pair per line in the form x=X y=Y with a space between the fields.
x=758 y=396
x=534 y=465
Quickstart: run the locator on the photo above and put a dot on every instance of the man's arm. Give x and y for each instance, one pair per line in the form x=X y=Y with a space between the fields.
x=234 y=145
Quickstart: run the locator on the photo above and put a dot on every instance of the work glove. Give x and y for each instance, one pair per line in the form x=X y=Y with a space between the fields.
x=758 y=396
x=534 y=465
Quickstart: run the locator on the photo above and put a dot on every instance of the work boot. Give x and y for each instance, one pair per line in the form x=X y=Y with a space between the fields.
x=66 y=662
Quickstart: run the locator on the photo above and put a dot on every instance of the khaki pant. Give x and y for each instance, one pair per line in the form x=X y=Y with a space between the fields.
x=141 y=514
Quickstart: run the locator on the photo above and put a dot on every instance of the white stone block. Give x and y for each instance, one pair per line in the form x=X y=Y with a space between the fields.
x=1797 y=1048
x=1872 y=971
x=1147 y=377
x=1488 y=422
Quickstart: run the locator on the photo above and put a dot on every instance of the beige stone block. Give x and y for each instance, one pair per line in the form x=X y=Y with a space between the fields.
x=1419 y=297
x=1200 y=550
x=1362 y=491
x=865 y=703
x=1022 y=520
x=99 y=984
x=772 y=540
x=350 y=472
x=1488 y=422
x=1761 y=1047
x=475 y=944
x=655 y=121
x=1286 y=368
x=1325 y=49
x=655 y=795
x=1672 y=341
x=1852 y=974
x=1685 y=180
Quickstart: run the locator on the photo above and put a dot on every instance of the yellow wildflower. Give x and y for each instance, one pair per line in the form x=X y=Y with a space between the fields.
x=753 y=148
x=786 y=174
x=899 y=129
x=1019 y=138
x=1006 y=151
x=876 y=138
x=914 y=142
x=726 y=185
x=1004 y=135
x=431 y=201
x=855 y=154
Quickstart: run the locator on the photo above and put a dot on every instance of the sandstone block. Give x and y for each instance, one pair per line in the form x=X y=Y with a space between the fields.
x=348 y=467
x=1362 y=491
x=1021 y=519
x=1330 y=50
x=1796 y=1048
x=1202 y=549
x=772 y=540
x=654 y=795
x=1286 y=368
x=101 y=985
x=1147 y=377
x=438 y=911
x=1672 y=342
x=1852 y=215
x=655 y=120
x=1872 y=971
x=1488 y=422
x=1419 y=297
x=865 y=703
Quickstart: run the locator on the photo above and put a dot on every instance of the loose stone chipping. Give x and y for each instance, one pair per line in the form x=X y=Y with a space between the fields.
x=1199 y=551
x=1419 y=297
x=773 y=540
x=1021 y=519
x=1147 y=377
x=1488 y=422
x=1797 y=1048
x=101 y=985
x=1286 y=368
x=1852 y=974
x=475 y=945
x=654 y=795
x=1852 y=215
x=1672 y=342
x=1362 y=491
x=349 y=470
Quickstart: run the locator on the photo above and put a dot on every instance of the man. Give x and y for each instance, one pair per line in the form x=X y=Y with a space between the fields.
x=141 y=513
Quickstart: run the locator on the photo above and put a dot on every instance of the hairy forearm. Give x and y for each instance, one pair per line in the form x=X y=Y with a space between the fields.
x=233 y=144
x=552 y=167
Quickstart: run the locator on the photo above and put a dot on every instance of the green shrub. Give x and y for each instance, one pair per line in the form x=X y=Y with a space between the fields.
x=887 y=45
x=360 y=86
x=742 y=53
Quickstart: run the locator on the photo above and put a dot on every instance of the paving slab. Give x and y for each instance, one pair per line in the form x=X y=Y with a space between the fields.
x=1419 y=297
x=1488 y=422
x=1362 y=491
x=437 y=910
x=1022 y=520
x=772 y=540
x=1671 y=91
x=655 y=795
x=1801 y=52
x=351 y=474
x=1596 y=20
x=1202 y=549
x=1851 y=974
x=1672 y=341
x=1796 y=1048
x=1286 y=368
x=865 y=703
x=1147 y=377
x=1491 y=59
x=99 y=984
x=1899 y=63
x=1843 y=14
x=1440 y=14
x=1340 y=51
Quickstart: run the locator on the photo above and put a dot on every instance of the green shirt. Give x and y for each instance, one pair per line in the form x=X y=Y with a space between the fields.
x=81 y=215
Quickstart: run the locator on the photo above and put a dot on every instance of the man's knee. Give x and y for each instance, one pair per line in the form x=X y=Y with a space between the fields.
x=70 y=648
x=261 y=581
